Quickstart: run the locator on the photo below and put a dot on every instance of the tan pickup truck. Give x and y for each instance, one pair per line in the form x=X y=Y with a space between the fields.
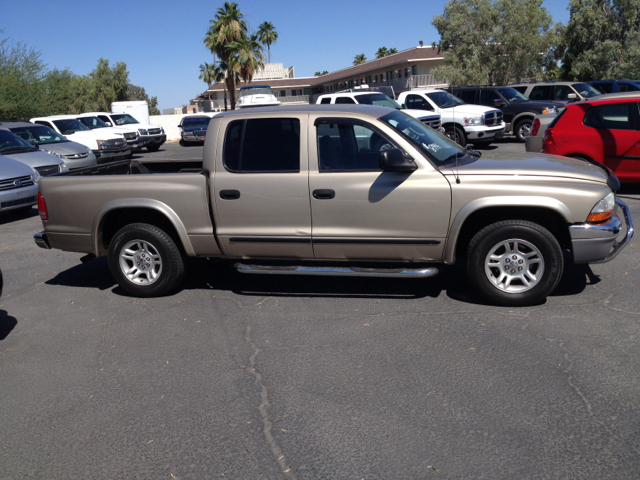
x=342 y=190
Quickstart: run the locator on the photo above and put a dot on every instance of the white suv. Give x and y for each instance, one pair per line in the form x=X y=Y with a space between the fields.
x=153 y=135
x=462 y=122
x=430 y=119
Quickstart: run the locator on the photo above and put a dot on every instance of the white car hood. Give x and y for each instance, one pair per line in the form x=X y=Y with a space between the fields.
x=419 y=113
x=467 y=110
x=97 y=134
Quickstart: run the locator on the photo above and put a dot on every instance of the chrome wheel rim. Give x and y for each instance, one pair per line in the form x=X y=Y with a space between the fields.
x=514 y=266
x=453 y=135
x=140 y=262
x=525 y=130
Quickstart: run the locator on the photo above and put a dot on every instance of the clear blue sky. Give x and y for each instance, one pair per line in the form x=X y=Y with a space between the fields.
x=161 y=41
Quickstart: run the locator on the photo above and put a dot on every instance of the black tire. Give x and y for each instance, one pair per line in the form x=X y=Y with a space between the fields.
x=523 y=129
x=457 y=135
x=181 y=143
x=154 y=147
x=545 y=256
x=163 y=276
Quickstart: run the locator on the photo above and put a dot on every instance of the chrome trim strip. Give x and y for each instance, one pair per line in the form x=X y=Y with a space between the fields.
x=603 y=230
x=337 y=271
x=41 y=240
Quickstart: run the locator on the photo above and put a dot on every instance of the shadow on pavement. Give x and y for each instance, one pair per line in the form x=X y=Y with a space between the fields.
x=93 y=274
x=8 y=217
x=7 y=323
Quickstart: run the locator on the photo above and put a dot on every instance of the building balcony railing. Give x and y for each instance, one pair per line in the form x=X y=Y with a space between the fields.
x=424 y=81
x=294 y=99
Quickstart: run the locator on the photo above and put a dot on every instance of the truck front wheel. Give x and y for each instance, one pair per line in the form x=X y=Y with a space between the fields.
x=523 y=129
x=145 y=261
x=154 y=147
x=514 y=262
x=456 y=134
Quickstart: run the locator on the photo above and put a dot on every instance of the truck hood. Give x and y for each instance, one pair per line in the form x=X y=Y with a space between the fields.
x=421 y=114
x=530 y=164
x=97 y=134
x=466 y=110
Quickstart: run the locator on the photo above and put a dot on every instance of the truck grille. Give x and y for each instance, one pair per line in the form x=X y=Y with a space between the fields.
x=435 y=124
x=20 y=201
x=493 y=118
x=155 y=131
x=116 y=144
x=200 y=133
x=48 y=170
x=17 y=182
x=130 y=136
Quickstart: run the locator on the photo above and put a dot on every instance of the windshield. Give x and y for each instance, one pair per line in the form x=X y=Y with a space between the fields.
x=512 y=95
x=10 y=143
x=93 y=122
x=70 y=126
x=38 y=135
x=586 y=90
x=444 y=99
x=196 y=122
x=433 y=145
x=379 y=99
x=255 y=91
x=124 y=119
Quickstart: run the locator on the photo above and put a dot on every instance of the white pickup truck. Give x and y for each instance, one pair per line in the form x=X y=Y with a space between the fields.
x=105 y=144
x=153 y=135
x=462 y=122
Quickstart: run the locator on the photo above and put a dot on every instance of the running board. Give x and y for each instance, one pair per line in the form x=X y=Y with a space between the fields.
x=338 y=271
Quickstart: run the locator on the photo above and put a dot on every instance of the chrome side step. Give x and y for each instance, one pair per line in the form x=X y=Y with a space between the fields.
x=338 y=271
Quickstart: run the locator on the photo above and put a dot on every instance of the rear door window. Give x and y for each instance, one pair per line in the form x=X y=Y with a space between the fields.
x=344 y=100
x=541 y=92
x=627 y=87
x=469 y=96
x=262 y=145
x=615 y=116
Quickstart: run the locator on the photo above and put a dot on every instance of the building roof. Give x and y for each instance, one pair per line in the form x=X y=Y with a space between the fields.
x=374 y=111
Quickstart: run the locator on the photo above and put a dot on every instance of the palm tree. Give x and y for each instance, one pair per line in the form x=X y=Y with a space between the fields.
x=318 y=74
x=267 y=34
x=220 y=74
x=207 y=73
x=382 y=52
x=392 y=51
x=358 y=59
x=249 y=55
x=229 y=25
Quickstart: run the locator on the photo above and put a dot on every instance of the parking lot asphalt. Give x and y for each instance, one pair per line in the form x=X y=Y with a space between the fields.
x=263 y=377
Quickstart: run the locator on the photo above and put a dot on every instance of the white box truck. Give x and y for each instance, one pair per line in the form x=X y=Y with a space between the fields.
x=138 y=109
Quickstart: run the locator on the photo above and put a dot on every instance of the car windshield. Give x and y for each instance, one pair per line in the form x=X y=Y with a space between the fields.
x=434 y=146
x=93 y=122
x=444 y=99
x=379 y=99
x=39 y=135
x=70 y=126
x=124 y=119
x=586 y=90
x=196 y=122
x=512 y=95
x=11 y=143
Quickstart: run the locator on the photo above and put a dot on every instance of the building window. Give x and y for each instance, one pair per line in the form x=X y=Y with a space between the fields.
x=283 y=93
x=375 y=79
x=414 y=69
x=407 y=72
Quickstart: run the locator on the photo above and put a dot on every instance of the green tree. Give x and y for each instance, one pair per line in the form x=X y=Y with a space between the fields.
x=392 y=51
x=318 y=74
x=138 y=93
x=494 y=41
x=358 y=59
x=602 y=40
x=267 y=35
x=109 y=84
x=249 y=55
x=207 y=74
x=382 y=52
x=22 y=91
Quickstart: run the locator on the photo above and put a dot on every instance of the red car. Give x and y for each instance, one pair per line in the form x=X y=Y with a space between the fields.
x=606 y=130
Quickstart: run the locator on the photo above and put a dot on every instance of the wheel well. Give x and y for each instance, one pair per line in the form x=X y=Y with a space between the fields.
x=118 y=218
x=523 y=117
x=453 y=124
x=580 y=156
x=547 y=218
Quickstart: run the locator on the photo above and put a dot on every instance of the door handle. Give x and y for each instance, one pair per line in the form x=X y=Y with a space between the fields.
x=324 y=194
x=229 y=194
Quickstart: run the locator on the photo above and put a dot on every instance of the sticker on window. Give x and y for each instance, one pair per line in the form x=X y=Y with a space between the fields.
x=434 y=147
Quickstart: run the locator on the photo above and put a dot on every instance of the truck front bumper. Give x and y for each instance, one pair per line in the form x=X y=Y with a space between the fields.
x=106 y=156
x=484 y=133
x=602 y=242
x=155 y=139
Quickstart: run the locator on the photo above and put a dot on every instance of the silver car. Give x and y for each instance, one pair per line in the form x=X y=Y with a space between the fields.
x=73 y=154
x=18 y=185
x=14 y=147
x=533 y=142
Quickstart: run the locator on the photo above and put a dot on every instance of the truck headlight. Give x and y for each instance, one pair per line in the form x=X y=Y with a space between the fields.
x=102 y=144
x=603 y=209
x=549 y=110
x=473 y=121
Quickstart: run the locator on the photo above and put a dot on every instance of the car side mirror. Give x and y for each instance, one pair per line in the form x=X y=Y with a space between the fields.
x=393 y=160
x=572 y=96
x=498 y=103
x=108 y=124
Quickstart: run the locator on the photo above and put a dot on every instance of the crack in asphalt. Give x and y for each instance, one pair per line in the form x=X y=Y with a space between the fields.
x=264 y=407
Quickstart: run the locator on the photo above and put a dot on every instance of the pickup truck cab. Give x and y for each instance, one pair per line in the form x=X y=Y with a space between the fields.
x=107 y=146
x=152 y=135
x=462 y=122
x=362 y=97
x=342 y=190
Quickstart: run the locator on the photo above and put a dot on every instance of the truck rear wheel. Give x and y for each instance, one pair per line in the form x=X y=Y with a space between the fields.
x=514 y=262
x=145 y=260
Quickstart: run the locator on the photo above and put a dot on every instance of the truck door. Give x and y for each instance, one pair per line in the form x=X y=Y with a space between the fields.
x=361 y=212
x=260 y=186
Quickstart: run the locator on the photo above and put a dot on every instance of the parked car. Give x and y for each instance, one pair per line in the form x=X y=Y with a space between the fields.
x=364 y=97
x=533 y=141
x=12 y=146
x=616 y=86
x=193 y=129
x=605 y=130
x=462 y=122
x=131 y=135
x=106 y=146
x=517 y=110
x=18 y=185
x=73 y=154
x=553 y=91
x=153 y=135
x=351 y=190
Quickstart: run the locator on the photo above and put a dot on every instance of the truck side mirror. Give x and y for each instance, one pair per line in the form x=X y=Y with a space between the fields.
x=393 y=160
x=572 y=96
x=108 y=124
x=498 y=103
